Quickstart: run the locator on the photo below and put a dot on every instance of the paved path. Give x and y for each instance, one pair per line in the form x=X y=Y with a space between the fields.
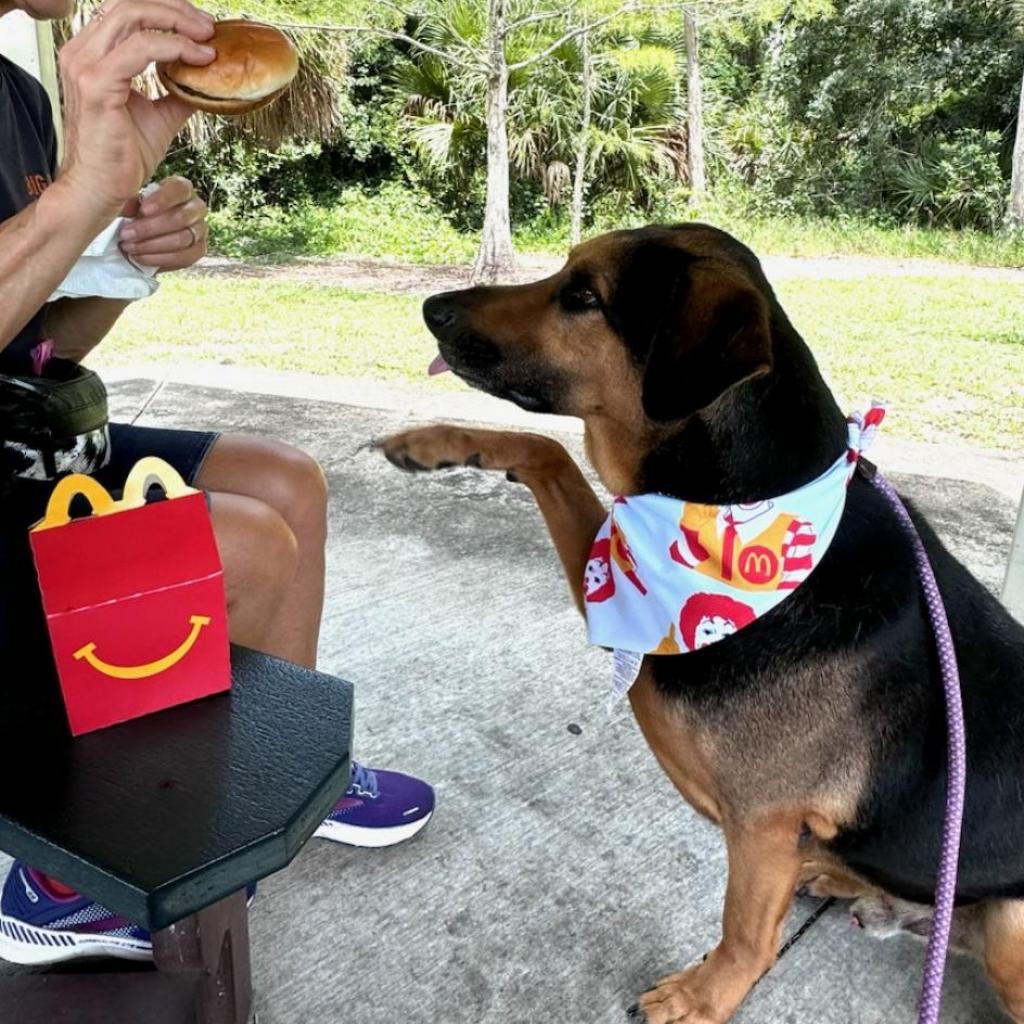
x=561 y=874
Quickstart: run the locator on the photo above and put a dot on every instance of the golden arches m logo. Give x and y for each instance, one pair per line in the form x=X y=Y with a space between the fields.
x=154 y=668
x=759 y=565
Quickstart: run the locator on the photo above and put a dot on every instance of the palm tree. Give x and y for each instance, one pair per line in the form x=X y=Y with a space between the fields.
x=1016 y=208
x=628 y=142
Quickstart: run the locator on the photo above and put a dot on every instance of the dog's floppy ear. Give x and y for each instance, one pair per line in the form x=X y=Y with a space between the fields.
x=695 y=327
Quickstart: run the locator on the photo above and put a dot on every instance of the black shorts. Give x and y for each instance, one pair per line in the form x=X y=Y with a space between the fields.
x=23 y=638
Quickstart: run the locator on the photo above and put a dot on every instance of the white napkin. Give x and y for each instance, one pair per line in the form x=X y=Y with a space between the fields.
x=104 y=271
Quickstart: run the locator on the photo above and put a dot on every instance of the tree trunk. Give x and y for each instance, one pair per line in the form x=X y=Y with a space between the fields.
x=695 y=108
x=497 y=256
x=1017 y=185
x=579 y=184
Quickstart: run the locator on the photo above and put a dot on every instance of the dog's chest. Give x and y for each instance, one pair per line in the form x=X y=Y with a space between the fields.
x=683 y=749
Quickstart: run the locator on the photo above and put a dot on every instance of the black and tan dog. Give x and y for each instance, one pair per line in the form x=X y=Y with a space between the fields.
x=815 y=736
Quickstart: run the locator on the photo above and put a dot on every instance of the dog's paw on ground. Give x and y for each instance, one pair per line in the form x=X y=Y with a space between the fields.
x=673 y=1001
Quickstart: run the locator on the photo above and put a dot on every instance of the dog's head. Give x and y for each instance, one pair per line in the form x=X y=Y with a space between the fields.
x=656 y=323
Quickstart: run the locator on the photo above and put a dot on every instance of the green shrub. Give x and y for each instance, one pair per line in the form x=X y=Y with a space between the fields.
x=956 y=182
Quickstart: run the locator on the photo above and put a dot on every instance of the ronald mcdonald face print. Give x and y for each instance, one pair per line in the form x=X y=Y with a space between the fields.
x=708 y=618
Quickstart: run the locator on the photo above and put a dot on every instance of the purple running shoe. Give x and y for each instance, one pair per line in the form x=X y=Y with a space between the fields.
x=40 y=926
x=379 y=809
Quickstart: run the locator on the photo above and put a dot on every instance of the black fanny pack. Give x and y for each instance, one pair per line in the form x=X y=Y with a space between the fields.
x=53 y=424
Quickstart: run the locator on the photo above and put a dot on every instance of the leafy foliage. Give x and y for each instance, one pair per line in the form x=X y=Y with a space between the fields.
x=886 y=107
x=890 y=110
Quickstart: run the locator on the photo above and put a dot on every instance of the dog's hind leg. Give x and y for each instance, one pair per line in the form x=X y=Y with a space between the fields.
x=764 y=862
x=823 y=877
x=572 y=511
x=1003 y=930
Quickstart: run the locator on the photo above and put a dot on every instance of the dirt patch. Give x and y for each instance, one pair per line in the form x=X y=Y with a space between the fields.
x=368 y=274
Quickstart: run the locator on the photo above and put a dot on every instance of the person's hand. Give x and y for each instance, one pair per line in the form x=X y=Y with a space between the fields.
x=169 y=231
x=114 y=136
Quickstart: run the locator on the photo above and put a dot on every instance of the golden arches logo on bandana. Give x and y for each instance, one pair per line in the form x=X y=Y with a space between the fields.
x=758 y=565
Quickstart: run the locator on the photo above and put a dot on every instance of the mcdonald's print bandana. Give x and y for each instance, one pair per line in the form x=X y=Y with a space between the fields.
x=667 y=576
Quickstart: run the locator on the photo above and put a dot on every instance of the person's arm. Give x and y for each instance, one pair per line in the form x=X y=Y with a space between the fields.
x=115 y=138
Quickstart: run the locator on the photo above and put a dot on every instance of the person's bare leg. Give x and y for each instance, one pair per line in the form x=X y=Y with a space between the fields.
x=292 y=486
x=259 y=553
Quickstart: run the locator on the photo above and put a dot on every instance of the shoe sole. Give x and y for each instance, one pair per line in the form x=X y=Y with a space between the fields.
x=26 y=944
x=370 y=838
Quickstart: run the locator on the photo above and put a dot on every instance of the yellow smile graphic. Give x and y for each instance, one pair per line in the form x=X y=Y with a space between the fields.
x=154 y=668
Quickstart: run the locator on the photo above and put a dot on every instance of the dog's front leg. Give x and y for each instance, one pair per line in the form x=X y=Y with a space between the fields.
x=572 y=511
x=764 y=862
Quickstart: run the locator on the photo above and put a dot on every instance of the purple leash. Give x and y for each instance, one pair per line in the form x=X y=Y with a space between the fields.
x=956 y=763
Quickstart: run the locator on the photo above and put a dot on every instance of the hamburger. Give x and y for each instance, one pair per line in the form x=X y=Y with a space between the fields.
x=255 y=63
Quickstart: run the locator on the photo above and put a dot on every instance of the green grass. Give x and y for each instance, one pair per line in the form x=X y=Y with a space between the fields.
x=281 y=326
x=392 y=222
x=397 y=223
x=811 y=236
x=848 y=236
x=947 y=352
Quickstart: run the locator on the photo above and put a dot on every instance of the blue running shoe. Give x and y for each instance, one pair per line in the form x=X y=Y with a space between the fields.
x=40 y=926
x=379 y=809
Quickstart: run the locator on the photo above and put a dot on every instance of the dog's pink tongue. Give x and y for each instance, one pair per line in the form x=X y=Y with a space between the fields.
x=437 y=366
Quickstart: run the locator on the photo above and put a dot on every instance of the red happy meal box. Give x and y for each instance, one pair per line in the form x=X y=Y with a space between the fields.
x=134 y=598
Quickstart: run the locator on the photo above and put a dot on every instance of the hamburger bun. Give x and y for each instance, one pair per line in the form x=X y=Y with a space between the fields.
x=255 y=63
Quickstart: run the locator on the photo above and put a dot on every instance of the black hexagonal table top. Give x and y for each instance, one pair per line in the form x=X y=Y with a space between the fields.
x=159 y=817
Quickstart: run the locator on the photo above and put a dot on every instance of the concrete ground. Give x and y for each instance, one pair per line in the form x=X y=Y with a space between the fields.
x=561 y=875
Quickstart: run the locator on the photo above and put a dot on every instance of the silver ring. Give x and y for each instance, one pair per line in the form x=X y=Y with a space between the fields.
x=195 y=236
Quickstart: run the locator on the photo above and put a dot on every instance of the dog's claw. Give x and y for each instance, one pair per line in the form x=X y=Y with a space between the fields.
x=404 y=461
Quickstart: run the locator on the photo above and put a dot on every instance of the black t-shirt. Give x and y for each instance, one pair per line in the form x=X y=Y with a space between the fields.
x=28 y=161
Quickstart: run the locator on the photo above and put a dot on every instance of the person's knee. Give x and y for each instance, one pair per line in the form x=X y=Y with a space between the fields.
x=295 y=486
x=258 y=549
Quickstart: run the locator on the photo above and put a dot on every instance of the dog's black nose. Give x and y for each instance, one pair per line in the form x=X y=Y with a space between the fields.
x=440 y=313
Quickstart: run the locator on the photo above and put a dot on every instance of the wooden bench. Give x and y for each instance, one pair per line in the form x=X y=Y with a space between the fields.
x=164 y=821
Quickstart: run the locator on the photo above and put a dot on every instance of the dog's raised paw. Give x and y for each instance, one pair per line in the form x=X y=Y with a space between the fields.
x=425 y=449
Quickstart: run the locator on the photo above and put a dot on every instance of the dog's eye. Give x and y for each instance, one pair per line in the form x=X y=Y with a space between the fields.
x=578 y=298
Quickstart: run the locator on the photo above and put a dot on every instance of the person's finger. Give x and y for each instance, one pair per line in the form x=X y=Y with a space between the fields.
x=149 y=228
x=170 y=193
x=124 y=19
x=171 y=241
x=173 y=260
x=136 y=53
x=177 y=241
x=83 y=54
